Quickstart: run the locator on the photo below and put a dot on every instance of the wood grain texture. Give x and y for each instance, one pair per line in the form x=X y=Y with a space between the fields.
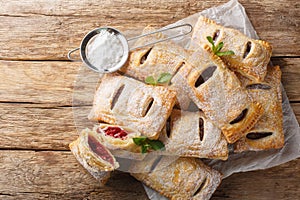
x=48 y=30
x=281 y=182
x=56 y=27
x=38 y=82
x=55 y=175
x=290 y=68
x=58 y=175
x=27 y=126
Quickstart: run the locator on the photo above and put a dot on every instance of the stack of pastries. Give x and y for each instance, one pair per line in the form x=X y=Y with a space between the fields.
x=210 y=103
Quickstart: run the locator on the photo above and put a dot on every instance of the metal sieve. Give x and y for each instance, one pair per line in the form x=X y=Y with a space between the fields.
x=124 y=42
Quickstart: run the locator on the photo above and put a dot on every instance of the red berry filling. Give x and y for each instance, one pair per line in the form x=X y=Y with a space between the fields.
x=99 y=149
x=116 y=132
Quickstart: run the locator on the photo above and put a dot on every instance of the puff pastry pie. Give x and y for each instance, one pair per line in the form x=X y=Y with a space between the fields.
x=128 y=102
x=251 y=56
x=93 y=156
x=190 y=134
x=185 y=178
x=218 y=93
x=163 y=57
x=268 y=132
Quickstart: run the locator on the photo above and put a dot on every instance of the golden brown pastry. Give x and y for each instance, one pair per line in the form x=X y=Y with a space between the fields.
x=163 y=57
x=185 y=178
x=251 y=56
x=190 y=134
x=268 y=132
x=219 y=94
x=93 y=156
x=127 y=102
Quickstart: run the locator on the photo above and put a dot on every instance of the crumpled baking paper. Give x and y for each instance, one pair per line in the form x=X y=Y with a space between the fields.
x=232 y=14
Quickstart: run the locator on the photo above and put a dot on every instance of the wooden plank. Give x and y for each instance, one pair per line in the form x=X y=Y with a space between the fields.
x=47 y=30
x=27 y=127
x=290 y=76
x=55 y=28
x=296 y=109
x=281 y=182
x=53 y=82
x=55 y=175
x=39 y=82
x=38 y=126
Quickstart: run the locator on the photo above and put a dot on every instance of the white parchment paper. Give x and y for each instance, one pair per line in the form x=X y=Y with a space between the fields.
x=232 y=14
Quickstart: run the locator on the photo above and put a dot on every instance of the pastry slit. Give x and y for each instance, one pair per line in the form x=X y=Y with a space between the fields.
x=216 y=35
x=259 y=86
x=205 y=75
x=258 y=135
x=145 y=56
x=240 y=117
x=200 y=187
x=148 y=107
x=248 y=49
x=177 y=70
x=116 y=97
x=168 y=127
x=201 y=128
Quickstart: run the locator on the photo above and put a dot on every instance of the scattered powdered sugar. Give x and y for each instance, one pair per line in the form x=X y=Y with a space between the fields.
x=105 y=50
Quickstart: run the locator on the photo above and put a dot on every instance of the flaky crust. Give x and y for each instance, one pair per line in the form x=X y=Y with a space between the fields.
x=185 y=178
x=182 y=137
x=125 y=101
x=272 y=119
x=253 y=65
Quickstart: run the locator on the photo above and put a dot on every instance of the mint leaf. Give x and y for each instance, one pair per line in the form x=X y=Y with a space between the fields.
x=225 y=53
x=217 y=49
x=164 y=78
x=209 y=38
x=150 y=80
x=139 y=140
x=144 y=149
x=146 y=144
x=156 y=144
x=219 y=46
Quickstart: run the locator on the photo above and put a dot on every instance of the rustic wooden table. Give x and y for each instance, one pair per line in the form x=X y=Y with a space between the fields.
x=36 y=87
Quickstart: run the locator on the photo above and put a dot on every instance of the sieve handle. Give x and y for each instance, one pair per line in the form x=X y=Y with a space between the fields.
x=160 y=31
x=70 y=55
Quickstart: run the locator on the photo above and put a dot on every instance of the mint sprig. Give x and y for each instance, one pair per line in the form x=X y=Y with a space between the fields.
x=163 y=78
x=146 y=144
x=217 y=49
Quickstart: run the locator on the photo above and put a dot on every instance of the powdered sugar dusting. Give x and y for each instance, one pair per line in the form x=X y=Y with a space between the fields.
x=105 y=50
